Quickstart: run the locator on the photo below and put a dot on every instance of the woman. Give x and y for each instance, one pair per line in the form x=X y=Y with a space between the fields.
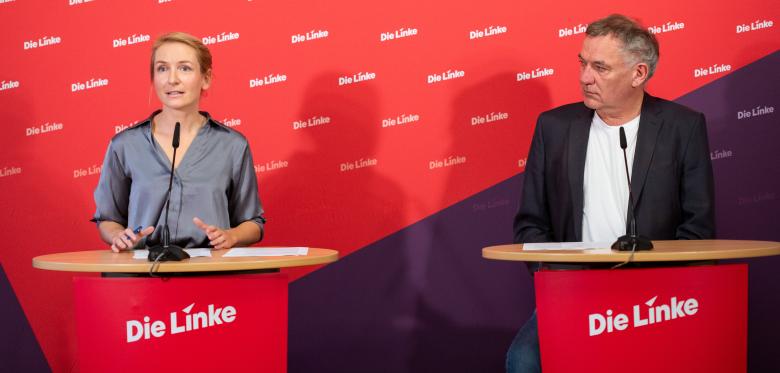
x=214 y=199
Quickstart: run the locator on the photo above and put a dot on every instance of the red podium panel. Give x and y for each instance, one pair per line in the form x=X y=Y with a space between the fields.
x=678 y=319
x=182 y=324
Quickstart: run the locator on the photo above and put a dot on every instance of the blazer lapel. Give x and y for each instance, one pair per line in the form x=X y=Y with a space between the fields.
x=650 y=123
x=579 y=132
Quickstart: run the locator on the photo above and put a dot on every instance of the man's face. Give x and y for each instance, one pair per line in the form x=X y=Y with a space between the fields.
x=606 y=74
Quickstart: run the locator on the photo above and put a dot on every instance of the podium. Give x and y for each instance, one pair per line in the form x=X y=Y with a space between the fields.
x=201 y=315
x=678 y=310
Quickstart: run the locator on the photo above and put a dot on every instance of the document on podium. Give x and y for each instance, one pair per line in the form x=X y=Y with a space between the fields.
x=194 y=253
x=266 y=251
x=552 y=246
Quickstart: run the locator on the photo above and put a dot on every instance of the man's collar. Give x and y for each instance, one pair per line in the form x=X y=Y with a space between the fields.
x=650 y=105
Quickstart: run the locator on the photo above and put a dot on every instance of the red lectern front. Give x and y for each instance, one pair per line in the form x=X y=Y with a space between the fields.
x=203 y=314
x=677 y=319
x=177 y=324
x=677 y=313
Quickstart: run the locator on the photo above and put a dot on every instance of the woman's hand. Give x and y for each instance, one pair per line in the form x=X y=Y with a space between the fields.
x=127 y=239
x=219 y=238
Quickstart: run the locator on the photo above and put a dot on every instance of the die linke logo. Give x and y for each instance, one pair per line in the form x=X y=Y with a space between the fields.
x=481 y=206
x=270 y=166
x=77 y=2
x=666 y=27
x=358 y=163
x=755 y=112
x=314 y=121
x=444 y=76
x=220 y=38
x=89 y=84
x=522 y=162
x=711 y=70
x=10 y=171
x=446 y=162
x=267 y=80
x=400 y=120
x=403 y=32
x=91 y=170
x=721 y=154
x=185 y=322
x=8 y=84
x=761 y=197
x=43 y=128
x=42 y=42
x=311 y=35
x=121 y=127
x=652 y=314
x=130 y=40
x=356 y=78
x=231 y=122
x=571 y=31
x=756 y=25
x=487 y=31
x=533 y=74
x=489 y=118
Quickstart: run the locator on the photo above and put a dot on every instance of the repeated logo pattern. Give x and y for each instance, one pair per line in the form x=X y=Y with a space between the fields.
x=362 y=120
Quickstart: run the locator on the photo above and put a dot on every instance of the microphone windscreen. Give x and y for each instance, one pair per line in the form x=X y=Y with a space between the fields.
x=176 y=135
x=623 y=142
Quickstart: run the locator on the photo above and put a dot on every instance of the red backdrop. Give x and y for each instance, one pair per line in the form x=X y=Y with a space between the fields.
x=55 y=133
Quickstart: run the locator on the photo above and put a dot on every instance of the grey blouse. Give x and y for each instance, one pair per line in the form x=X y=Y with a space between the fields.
x=214 y=181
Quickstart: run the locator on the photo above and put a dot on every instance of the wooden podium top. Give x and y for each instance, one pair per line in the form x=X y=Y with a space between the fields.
x=663 y=251
x=123 y=262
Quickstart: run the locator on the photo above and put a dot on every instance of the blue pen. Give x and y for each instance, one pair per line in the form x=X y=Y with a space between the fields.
x=137 y=230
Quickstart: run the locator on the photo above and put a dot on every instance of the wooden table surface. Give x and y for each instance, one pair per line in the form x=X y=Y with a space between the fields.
x=123 y=262
x=663 y=251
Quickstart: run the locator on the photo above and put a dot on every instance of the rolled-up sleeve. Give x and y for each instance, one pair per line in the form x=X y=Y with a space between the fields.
x=244 y=200
x=113 y=190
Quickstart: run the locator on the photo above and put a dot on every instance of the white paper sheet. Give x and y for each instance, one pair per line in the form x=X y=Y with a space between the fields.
x=265 y=251
x=542 y=246
x=194 y=253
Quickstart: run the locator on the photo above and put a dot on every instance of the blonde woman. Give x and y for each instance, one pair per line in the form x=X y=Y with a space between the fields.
x=214 y=200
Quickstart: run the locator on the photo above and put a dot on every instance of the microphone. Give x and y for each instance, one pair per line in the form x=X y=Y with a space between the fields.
x=630 y=241
x=167 y=252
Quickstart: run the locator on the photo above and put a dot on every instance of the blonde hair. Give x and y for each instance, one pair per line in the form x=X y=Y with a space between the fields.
x=201 y=51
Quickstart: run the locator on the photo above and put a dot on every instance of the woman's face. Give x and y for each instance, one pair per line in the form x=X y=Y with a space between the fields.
x=177 y=77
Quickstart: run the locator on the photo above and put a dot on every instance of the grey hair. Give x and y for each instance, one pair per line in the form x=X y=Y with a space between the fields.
x=637 y=41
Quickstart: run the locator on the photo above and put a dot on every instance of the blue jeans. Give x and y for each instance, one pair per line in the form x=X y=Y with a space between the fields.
x=523 y=355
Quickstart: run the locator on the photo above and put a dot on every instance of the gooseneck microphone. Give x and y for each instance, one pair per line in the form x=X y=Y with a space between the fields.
x=166 y=251
x=631 y=241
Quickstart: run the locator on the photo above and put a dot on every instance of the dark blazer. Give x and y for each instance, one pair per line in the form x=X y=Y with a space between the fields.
x=672 y=179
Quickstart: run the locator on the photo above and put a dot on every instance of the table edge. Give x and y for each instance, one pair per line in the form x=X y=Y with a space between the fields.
x=329 y=256
x=581 y=256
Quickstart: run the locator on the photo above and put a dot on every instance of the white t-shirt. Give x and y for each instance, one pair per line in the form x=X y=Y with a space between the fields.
x=605 y=188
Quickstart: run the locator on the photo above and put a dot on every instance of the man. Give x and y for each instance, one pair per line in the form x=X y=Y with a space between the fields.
x=575 y=184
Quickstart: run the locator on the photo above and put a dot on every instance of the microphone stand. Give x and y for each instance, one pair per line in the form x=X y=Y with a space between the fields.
x=166 y=251
x=630 y=241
